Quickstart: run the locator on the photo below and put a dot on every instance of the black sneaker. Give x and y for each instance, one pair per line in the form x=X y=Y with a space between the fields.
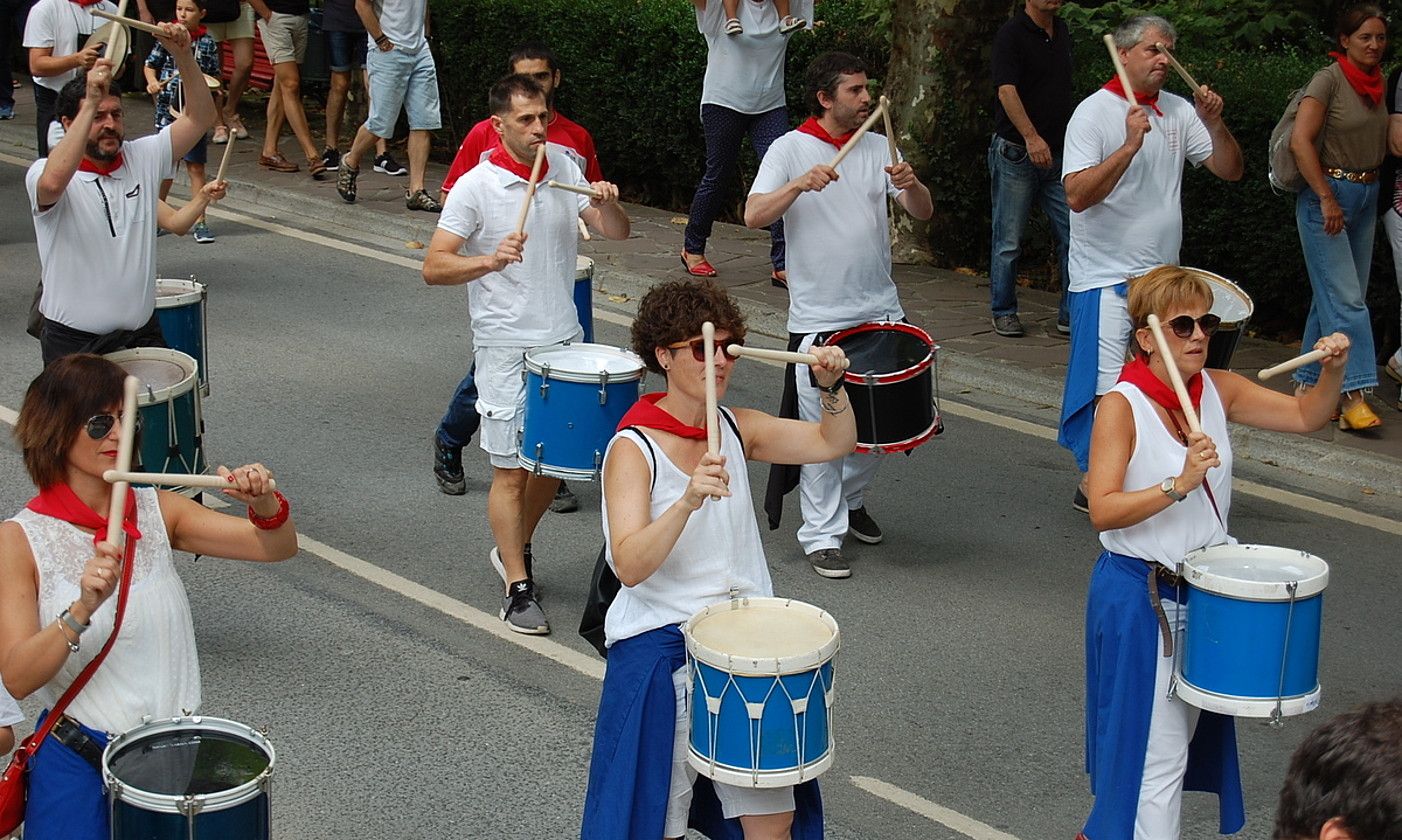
x=1079 y=501
x=863 y=527
x=389 y=166
x=521 y=610
x=345 y=182
x=1009 y=326
x=565 y=500
x=421 y=200
x=331 y=158
x=447 y=468
x=830 y=563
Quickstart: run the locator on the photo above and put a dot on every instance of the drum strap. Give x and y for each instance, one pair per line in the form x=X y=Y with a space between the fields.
x=1206 y=486
x=1155 y=572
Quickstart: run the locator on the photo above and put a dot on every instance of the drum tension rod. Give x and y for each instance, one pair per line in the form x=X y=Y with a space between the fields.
x=603 y=387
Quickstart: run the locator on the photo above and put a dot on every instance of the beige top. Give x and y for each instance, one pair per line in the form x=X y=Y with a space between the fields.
x=1355 y=136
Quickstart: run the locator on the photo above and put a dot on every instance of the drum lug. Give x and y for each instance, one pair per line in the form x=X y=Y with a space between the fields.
x=598 y=464
x=190 y=805
x=603 y=387
x=539 y=457
x=544 y=379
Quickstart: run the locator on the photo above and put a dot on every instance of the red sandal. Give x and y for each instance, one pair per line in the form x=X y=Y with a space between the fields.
x=701 y=269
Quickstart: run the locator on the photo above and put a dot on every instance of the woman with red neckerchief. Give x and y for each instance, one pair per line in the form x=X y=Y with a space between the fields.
x=1339 y=142
x=58 y=574
x=1156 y=492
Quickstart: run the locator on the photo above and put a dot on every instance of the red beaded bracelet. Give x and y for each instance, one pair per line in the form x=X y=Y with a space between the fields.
x=277 y=520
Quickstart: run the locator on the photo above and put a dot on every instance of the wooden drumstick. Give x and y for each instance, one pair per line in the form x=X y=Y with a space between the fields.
x=583 y=230
x=214 y=482
x=131 y=22
x=117 y=508
x=589 y=191
x=1174 y=376
x=785 y=356
x=228 y=153
x=890 y=132
x=708 y=338
x=1299 y=361
x=1182 y=71
x=530 y=188
x=1120 y=69
x=857 y=135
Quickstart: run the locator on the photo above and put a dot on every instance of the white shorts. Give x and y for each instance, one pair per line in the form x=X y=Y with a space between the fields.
x=501 y=400
x=1116 y=330
x=735 y=801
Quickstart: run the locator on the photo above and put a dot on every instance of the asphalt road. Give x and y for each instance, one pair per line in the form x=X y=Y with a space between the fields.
x=960 y=677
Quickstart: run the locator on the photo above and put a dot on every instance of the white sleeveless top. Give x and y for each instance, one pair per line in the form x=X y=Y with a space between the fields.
x=1170 y=534
x=719 y=547
x=153 y=668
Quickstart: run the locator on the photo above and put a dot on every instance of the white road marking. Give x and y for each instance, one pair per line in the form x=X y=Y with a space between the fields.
x=9 y=417
x=966 y=826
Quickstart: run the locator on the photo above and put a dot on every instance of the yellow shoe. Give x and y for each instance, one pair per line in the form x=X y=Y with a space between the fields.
x=1358 y=416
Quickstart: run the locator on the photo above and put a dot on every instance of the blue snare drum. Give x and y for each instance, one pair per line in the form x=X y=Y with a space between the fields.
x=760 y=692
x=1251 y=643
x=172 y=420
x=180 y=307
x=584 y=295
x=575 y=396
x=189 y=777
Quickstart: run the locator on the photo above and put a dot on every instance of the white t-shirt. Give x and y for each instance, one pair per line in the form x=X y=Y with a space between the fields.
x=838 y=240
x=745 y=72
x=529 y=303
x=97 y=244
x=1139 y=225
x=64 y=26
x=402 y=21
x=9 y=709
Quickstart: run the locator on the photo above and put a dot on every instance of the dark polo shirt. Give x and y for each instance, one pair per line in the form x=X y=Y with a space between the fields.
x=1040 y=68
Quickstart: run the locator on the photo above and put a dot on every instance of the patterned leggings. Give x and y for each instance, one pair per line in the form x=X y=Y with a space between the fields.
x=725 y=129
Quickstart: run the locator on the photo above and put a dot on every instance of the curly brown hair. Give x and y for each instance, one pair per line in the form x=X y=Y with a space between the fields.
x=674 y=311
x=59 y=401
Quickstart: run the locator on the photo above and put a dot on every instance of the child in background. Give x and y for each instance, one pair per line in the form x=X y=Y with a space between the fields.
x=160 y=67
x=787 y=22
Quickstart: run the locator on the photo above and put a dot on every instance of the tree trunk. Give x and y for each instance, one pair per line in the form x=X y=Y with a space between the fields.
x=941 y=105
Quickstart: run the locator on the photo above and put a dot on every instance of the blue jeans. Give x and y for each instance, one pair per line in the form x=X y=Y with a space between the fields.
x=1338 y=268
x=725 y=129
x=461 y=422
x=1015 y=182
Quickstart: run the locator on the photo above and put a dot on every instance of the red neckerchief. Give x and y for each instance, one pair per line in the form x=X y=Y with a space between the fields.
x=1118 y=89
x=1138 y=374
x=645 y=413
x=60 y=502
x=196 y=34
x=86 y=3
x=813 y=128
x=99 y=167
x=501 y=157
x=1365 y=84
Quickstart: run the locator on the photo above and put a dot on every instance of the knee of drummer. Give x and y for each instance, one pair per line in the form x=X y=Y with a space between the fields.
x=768 y=826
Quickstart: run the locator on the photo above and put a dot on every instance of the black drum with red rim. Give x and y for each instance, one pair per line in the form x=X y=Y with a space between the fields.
x=890 y=383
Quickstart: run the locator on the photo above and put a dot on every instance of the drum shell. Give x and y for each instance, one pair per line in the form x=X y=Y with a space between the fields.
x=1234 y=306
x=895 y=409
x=1221 y=347
x=180 y=308
x=172 y=420
x=249 y=821
x=584 y=296
x=568 y=424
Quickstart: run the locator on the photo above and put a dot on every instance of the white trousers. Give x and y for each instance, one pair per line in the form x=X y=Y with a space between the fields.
x=1171 y=726
x=827 y=491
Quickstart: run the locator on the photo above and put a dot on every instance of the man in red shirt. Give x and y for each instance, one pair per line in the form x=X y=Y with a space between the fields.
x=460 y=423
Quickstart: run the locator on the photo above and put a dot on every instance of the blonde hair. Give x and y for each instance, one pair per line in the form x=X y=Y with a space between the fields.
x=1161 y=289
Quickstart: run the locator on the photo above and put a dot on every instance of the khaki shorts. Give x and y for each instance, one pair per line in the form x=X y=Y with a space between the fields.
x=284 y=37
x=235 y=30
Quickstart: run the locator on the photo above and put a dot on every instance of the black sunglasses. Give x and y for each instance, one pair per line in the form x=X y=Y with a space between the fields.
x=1182 y=326
x=100 y=426
x=698 y=347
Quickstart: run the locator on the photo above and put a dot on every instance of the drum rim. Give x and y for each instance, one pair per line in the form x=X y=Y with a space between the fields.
x=1239 y=706
x=191 y=291
x=762 y=666
x=548 y=469
x=167 y=803
x=892 y=376
x=1232 y=287
x=903 y=445
x=586 y=377
x=740 y=777
x=1216 y=583
x=156 y=396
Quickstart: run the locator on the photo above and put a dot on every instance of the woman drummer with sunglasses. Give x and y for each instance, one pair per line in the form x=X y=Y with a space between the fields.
x=1157 y=491
x=680 y=533
x=58 y=575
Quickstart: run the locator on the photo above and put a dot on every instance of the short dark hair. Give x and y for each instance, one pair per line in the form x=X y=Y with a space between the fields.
x=70 y=97
x=532 y=51
x=508 y=87
x=59 y=401
x=674 y=311
x=822 y=76
x=1351 y=769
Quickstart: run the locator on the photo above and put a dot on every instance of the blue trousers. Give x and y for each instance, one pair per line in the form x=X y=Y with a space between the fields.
x=66 y=800
x=725 y=129
x=1015 y=182
x=460 y=423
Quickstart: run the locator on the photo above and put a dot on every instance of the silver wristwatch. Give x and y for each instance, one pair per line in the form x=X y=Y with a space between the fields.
x=72 y=623
x=1168 y=490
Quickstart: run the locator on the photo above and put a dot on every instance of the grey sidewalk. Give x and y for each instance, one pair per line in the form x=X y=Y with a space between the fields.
x=952 y=306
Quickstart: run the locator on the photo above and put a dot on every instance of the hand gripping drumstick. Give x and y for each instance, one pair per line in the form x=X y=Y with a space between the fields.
x=890 y=132
x=1299 y=361
x=530 y=187
x=1174 y=376
x=1182 y=71
x=214 y=482
x=1120 y=69
x=125 y=443
x=857 y=135
x=131 y=22
x=740 y=350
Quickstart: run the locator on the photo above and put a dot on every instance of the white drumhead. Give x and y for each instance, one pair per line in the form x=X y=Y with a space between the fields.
x=762 y=635
x=583 y=267
x=584 y=362
x=1256 y=572
x=173 y=293
x=164 y=373
x=1230 y=302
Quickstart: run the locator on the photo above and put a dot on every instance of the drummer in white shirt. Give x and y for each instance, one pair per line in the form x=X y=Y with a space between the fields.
x=520 y=296
x=839 y=261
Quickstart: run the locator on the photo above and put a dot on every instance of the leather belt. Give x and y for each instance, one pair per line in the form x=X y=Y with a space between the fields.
x=1159 y=572
x=1356 y=176
x=67 y=733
